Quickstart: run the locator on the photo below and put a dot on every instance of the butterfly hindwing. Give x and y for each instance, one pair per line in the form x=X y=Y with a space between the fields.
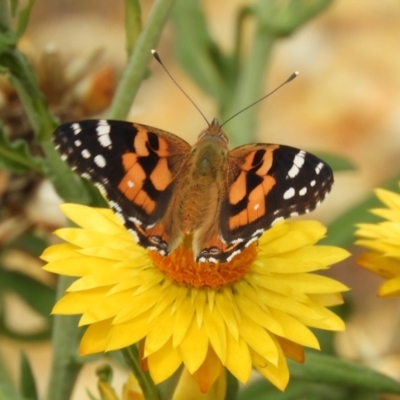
x=135 y=167
x=267 y=183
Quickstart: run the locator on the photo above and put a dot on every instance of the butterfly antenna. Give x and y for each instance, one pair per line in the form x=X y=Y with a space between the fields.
x=158 y=59
x=291 y=77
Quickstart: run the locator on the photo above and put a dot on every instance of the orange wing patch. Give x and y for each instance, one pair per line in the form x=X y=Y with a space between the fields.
x=161 y=176
x=248 y=191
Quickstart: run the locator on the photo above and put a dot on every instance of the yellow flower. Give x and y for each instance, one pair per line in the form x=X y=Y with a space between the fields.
x=383 y=241
x=253 y=311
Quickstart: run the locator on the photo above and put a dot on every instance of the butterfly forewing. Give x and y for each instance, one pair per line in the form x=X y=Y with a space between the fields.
x=267 y=183
x=134 y=166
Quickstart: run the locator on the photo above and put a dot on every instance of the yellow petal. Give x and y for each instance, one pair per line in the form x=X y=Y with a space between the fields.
x=78 y=302
x=211 y=378
x=94 y=339
x=94 y=219
x=193 y=348
x=238 y=359
x=295 y=330
x=277 y=375
x=127 y=333
x=391 y=199
x=390 y=288
x=163 y=363
x=59 y=252
x=258 y=339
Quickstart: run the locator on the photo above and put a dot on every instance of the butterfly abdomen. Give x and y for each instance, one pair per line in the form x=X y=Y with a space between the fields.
x=201 y=187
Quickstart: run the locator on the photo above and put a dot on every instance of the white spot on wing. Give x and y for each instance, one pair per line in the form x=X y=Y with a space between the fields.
x=318 y=168
x=289 y=193
x=297 y=164
x=103 y=133
x=303 y=191
x=86 y=153
x=313 y=182
x=276 y=220
x=256 y=207
x=77 y=143
x=76 y=128
x=100 y=161
x=130 y=184
x=101 y=188
x=258 y=232
x=135 y=220
x=235 y=253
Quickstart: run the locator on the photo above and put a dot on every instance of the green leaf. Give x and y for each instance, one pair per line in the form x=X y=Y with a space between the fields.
x=322 y=368
x=232 y=386
x=7 y=390
x=29 y=243
x=282 y=18
x=23 y=18
x=196 y=51
x=341 y=230
x=261 y=389
x=337 y=163
x=15 y=156
x=27 y=380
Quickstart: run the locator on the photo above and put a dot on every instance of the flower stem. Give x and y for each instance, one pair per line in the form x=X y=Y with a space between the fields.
x=7 y=390
x=131 y=355
x=138 y=60
x=65 y=367
x=249 y=88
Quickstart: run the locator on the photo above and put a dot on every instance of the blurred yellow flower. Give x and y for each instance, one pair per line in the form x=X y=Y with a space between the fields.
x=383 y=241
x=130 y=391
x=253 y=311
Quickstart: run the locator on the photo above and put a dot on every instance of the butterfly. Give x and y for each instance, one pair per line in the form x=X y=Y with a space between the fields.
x=164 y=189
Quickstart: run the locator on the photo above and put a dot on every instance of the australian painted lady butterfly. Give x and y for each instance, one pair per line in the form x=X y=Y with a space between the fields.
x=164 y=189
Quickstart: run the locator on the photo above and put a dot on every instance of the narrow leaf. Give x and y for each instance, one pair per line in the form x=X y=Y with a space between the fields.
x=7 y=390
x=322 y=368
x=197 y=52
x=27 y=380
x=23 y=18
x=282 y=18
x=263 y=390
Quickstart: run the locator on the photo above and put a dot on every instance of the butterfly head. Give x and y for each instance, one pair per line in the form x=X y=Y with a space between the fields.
x=214 y=133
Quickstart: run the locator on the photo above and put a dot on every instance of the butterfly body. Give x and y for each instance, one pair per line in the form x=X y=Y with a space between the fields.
x=163 y=189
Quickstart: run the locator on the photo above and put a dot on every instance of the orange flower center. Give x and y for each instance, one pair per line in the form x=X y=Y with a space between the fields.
x=181 y=267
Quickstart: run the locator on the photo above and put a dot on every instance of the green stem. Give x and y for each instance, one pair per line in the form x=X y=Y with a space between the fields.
x=5 y=19
x=65 y=366
x=248 y=89
x=149 y=390
x=138 y=60
x=7 y=390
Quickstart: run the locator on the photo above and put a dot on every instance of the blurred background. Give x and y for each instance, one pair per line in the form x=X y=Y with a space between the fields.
x=345 y=101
